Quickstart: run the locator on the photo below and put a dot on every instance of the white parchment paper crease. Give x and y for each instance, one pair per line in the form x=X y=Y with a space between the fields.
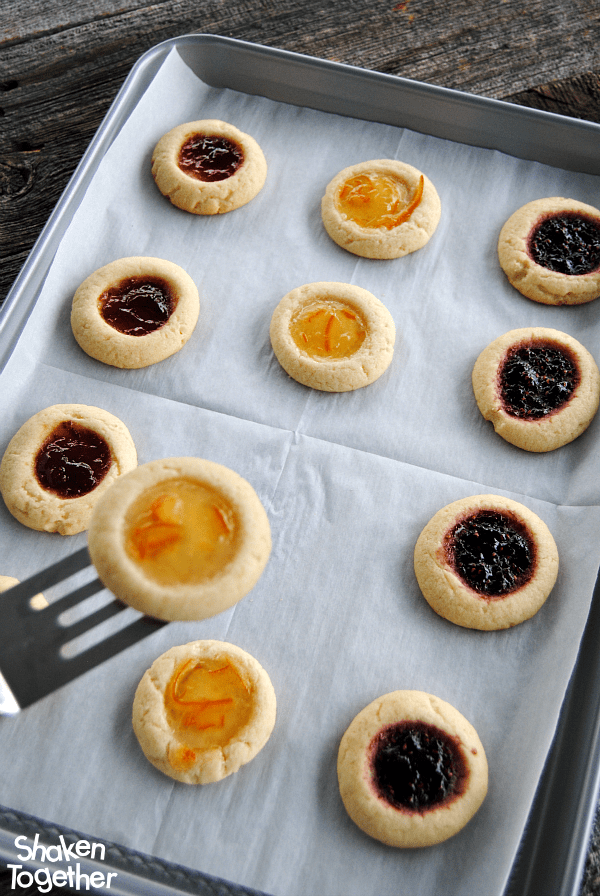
x=348 y=482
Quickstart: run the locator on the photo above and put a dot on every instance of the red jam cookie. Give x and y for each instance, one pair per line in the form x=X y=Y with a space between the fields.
x=60 y=463
x=135 y=312
x=208 y=167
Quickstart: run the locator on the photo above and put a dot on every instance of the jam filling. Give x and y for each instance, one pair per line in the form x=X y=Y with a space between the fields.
x=378 y=200
x=181 y=532
x=327 y=328
x=568 y=243
x=492 y=552
x=537 y=379
x=72 y=461
x=417 y=766
x=138 y=305
x=207 y=702
x=210 y=158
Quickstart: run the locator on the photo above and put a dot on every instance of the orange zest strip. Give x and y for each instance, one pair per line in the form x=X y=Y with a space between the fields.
x=150 y=540
x=179 y=685
x=222 y=521
x=207 y=714
x=358 y=192
x=413 y=204
x=167 y=509
x=361 y=189
x=344 y=191
x=218 y=671
x=201 y=712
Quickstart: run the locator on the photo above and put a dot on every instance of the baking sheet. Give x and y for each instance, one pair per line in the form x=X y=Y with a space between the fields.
x=348 y=482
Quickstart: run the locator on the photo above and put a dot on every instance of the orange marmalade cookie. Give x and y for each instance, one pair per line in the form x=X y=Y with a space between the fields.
x=550 y=251
x=180 y=538
x=486 y=562
x=539 y=387
x=203 y=710
x=60 y=462
x=135 y=312
x=380 y=209
x=411 y=769
x=208 y=167
x=332 y=336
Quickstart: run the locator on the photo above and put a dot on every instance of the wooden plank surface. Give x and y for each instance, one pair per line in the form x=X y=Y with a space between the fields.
x=62 y=63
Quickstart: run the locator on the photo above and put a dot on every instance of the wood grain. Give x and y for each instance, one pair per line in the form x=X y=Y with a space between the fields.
x=62 y=64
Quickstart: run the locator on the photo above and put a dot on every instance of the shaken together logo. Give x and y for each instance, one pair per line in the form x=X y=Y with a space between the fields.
x=71 y=876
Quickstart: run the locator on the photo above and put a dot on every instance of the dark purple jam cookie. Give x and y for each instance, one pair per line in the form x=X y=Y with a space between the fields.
x=208 y=167
x=60 y=462
x=539 y=387
x=486 y=562
x=210 y=157
x=73 y=460
x=550 y=251
x=411 y=770
x=139 y=305
x=135 y=312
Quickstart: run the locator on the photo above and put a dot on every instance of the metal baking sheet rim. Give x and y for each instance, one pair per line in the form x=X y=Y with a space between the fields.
x=553 y=850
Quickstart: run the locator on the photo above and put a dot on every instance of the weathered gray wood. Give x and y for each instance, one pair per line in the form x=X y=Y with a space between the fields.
x=61 y=65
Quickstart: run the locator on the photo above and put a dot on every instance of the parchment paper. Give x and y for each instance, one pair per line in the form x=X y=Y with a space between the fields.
x=348 y=482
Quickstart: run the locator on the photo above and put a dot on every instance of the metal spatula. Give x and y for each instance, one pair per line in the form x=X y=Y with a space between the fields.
x=34 y=655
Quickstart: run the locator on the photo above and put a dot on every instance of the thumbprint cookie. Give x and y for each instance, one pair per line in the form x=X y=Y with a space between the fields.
x=332 y=336
x=380 y=209
x=412 y=771
x=539 y=387
x=180 y=538
x=60 y=463
x=550 y=251
x=486 y=562
x=135 y=312
x=203 y=710
x=208 y=167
